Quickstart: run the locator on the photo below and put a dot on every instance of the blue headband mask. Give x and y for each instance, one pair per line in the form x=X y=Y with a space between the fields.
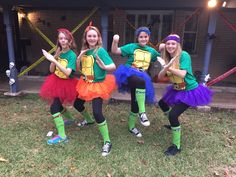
x=142 y=29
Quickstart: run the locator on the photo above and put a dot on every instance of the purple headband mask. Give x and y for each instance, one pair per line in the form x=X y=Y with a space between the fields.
x=174 y=38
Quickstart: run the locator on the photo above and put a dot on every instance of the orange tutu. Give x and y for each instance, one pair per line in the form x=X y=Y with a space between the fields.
x=89 y=90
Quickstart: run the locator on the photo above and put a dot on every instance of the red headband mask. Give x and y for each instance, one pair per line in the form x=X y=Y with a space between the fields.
x=67 y=32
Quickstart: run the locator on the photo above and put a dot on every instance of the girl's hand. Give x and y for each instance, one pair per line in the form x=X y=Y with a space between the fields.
x=48 y=56
x=116 y=38
x=82 y=52
x=161 y=61
x=167 y=66
x=100 y=62
x=161 y=47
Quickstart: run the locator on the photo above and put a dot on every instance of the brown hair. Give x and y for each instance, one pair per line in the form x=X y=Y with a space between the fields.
x=70 y=39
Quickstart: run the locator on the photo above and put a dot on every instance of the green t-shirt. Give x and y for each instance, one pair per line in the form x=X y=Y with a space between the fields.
x=185 y=64
x=138 y=56
x=91 y=69
x=68 y=60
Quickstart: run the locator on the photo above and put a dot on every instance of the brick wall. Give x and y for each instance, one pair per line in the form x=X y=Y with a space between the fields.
x=223 y=56
x=48 y=21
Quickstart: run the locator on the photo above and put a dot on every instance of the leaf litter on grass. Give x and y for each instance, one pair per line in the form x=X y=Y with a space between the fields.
x=224 y=171
x=27 y=121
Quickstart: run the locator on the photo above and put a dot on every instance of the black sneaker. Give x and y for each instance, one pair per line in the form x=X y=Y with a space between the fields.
x=143 y=119
x=68 y=122
x=135 y=132
x=172 y=150
x=167 y=126
x=106 y=149
x=84 y=123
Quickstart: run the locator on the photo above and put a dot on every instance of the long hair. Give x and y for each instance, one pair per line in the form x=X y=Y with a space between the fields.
x=70 y=39
x=167 y=57
x=85 y=44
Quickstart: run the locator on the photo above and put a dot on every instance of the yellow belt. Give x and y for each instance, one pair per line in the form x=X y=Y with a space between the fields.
x=140 y=68
x=88 y=78
x=179 y=86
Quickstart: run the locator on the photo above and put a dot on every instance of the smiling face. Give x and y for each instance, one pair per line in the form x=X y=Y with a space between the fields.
x=63 y=40
x=171 y=47
x=143 y=38
x=92 y=38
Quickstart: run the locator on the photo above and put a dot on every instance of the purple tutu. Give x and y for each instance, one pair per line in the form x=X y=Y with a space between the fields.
x=196 y=97
x=123 y=72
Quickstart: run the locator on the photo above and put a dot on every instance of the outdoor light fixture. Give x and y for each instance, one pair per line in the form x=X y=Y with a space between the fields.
x=224 y=4
x=212 y=3
x=12 y=81
x=8 y=72
x=21 y=14
x=11 y=73
x=11 y=65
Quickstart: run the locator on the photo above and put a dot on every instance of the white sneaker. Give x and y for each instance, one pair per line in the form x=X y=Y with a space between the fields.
x=143 y=119
x=136 y=132
x=84 y=123
x=106 y=149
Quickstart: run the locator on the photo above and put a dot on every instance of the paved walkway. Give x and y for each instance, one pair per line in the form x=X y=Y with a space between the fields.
x=224 y=97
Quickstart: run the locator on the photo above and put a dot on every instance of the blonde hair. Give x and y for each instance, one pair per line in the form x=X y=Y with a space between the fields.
x=85 y=44
x=166 y=56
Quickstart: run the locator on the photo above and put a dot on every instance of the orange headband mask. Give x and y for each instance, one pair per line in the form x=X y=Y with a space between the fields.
x=89 y=27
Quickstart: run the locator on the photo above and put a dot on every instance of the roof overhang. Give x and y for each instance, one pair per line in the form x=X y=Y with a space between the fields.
x=124 y=4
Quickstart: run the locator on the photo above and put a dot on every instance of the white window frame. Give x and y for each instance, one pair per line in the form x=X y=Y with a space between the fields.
x=149 y=13
x=191 y=32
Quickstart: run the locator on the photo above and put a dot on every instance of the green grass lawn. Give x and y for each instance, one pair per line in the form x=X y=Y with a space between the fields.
x=208 y=144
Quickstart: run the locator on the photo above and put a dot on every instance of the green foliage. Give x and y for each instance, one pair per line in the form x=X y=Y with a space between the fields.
x=208 y=143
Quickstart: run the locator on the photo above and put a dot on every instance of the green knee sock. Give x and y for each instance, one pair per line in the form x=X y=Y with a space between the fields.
x=176 y=136
x=66 y=114
x=167 y=112
x=58 y=120
x=87 y=116
x=140 y=97
x=104 y=131
x=132 y=120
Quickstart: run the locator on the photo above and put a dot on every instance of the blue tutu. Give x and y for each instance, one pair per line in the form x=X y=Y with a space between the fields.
x=196 y=97
x=123 y=72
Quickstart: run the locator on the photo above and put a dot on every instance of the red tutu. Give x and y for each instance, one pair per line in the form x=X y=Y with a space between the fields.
x=89 y=90
x=55 y=87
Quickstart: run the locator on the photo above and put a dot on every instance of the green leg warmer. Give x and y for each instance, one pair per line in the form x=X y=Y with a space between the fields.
x=87 y=116
x=58 y=120
x=132 y=120
x=176 y=136
x=66 y=114
x=140 y=97
x=167 y=112
x=103 y=128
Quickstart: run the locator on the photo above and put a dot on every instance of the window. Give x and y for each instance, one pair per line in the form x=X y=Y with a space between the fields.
x=110 y=32
x=190 y=34
x=129 y=32
x=159 y=23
